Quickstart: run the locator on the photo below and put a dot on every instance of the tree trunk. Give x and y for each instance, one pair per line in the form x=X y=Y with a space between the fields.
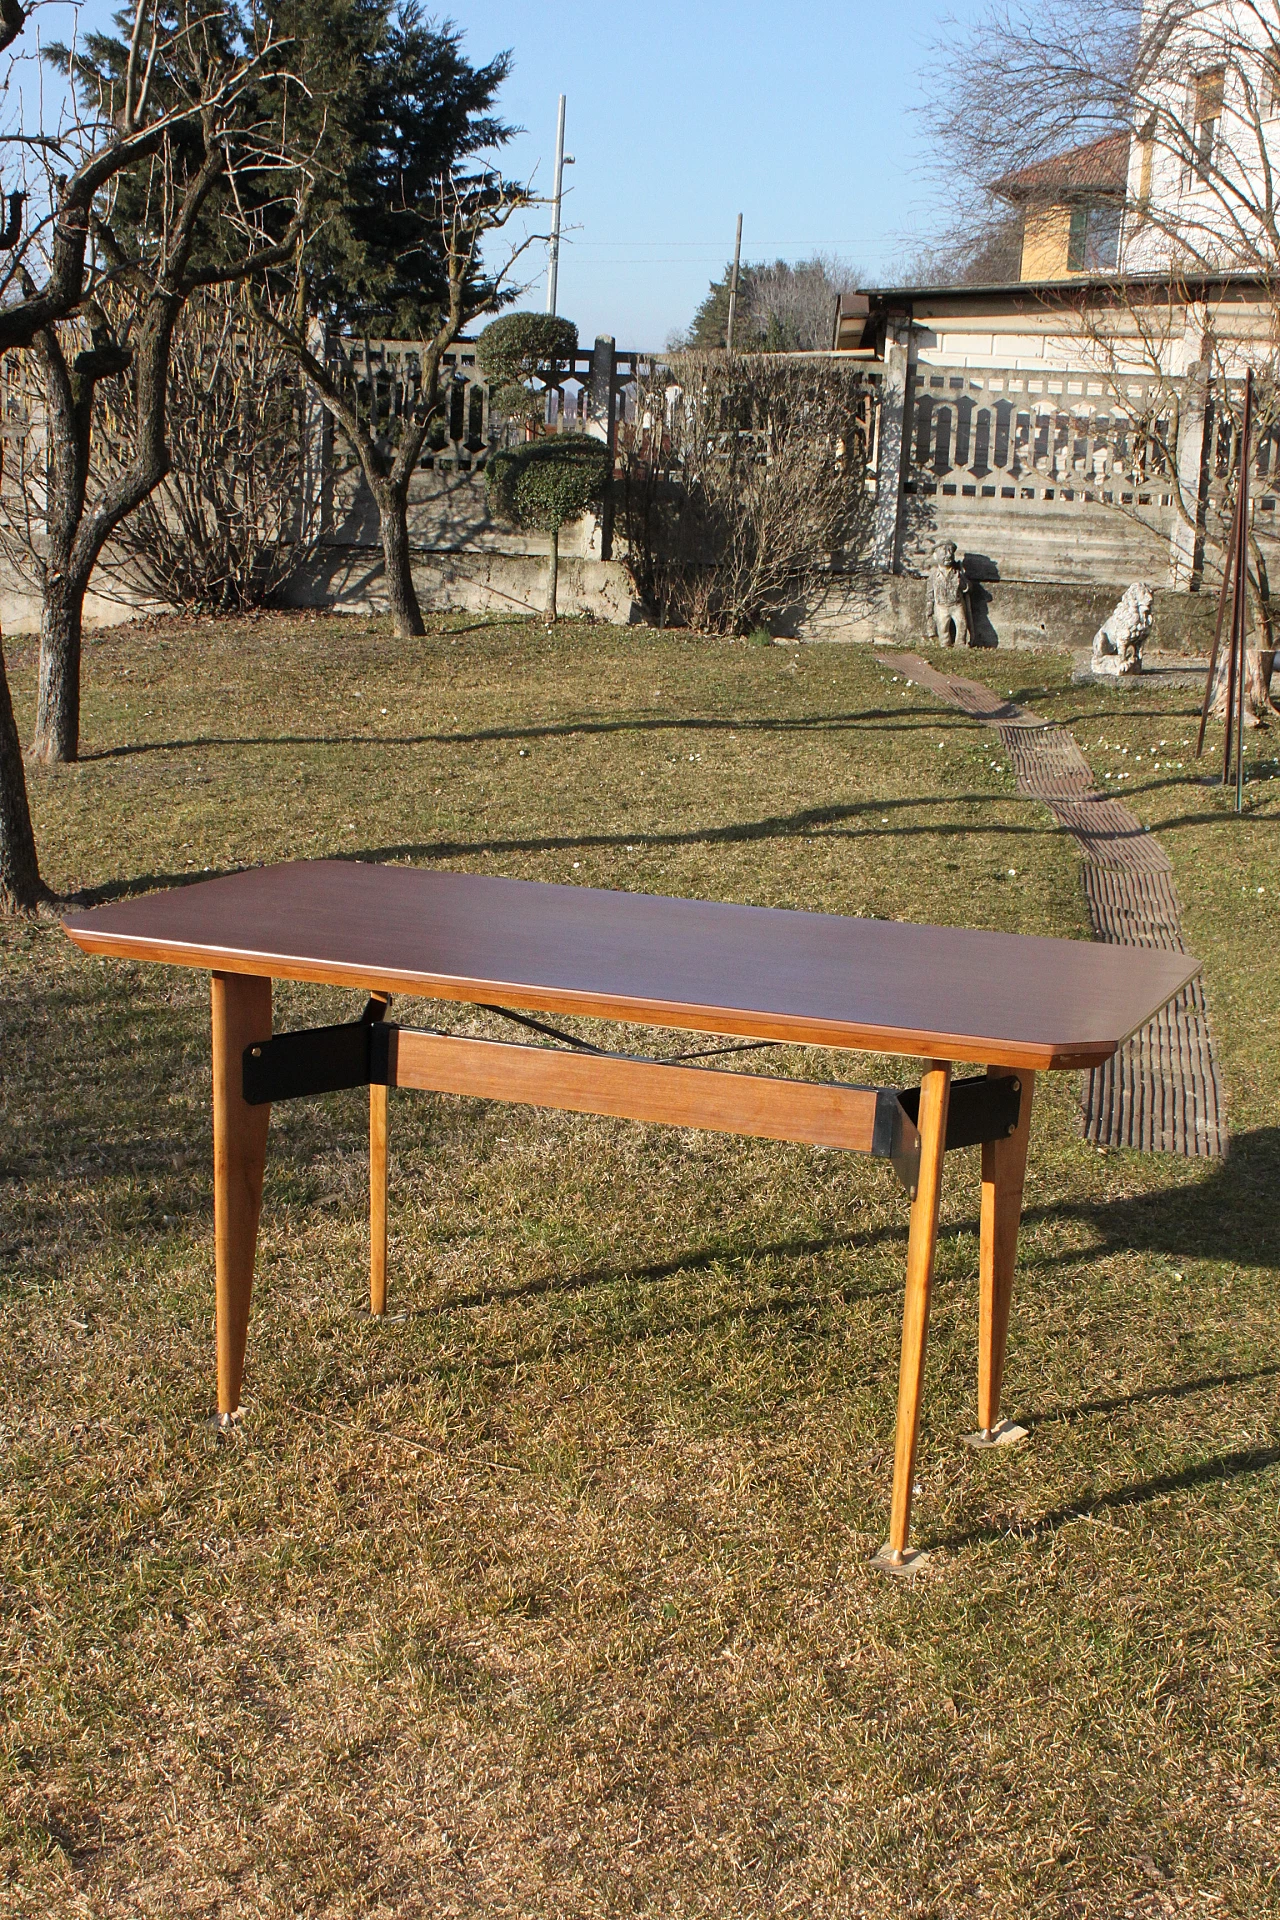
x=21 y=888
x=1259 y=665
x=57 y=735
x=402 y=599
x=553 y=574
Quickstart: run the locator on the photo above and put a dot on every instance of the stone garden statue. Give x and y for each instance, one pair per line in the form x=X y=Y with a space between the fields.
x=946 y=599
x=1117 y=645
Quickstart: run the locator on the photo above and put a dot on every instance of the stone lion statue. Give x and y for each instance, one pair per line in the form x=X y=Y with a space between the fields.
x=1117 y=645
x=946 y=599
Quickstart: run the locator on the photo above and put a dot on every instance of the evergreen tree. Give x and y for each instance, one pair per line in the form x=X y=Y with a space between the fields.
x=782 y=307
x=395 y=246
x=401 y=106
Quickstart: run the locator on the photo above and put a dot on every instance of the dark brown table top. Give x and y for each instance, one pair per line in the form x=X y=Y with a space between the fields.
x=880 y=985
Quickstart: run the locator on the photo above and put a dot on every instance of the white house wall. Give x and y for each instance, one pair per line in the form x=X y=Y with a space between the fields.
x=1217 y=220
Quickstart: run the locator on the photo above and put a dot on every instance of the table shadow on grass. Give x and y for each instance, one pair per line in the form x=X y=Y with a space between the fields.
x=1226 y=1215
x=1144 y=1396
x=780 y=1311
x=1220 y=1467
x=696 y=1260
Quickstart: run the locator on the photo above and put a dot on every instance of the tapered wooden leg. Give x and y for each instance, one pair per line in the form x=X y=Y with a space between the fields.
x=1004 y=1166
x=241 y=1015
x=935 y=1094
x=377 y=1200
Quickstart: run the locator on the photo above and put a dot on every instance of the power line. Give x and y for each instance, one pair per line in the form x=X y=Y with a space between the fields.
x=881 y=240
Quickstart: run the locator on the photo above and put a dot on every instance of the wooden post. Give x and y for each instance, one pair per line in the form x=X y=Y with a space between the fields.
x=241 y=1015
x=1004 y=1167
x=935 y=1094
x=733 y=288
x=377 y=1200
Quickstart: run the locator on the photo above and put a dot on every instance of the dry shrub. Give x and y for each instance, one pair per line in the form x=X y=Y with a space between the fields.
x=238 y=511
x=744 y=486
x=24 y=458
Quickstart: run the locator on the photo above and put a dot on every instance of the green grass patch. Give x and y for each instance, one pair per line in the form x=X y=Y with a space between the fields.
x=549 y=1596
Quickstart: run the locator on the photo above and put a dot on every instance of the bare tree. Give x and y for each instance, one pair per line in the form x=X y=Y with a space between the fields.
x=791 y=306
x=983 y=249
x=233 y=517
x=465 y=211
x=1005 y=92
x=44 y=281
x=225 y=153
x=783 y=306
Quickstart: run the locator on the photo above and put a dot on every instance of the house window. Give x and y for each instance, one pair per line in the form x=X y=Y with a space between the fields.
x=1207 y=114
x=1077 y=241
x=1093 y=242
x=1103 y=241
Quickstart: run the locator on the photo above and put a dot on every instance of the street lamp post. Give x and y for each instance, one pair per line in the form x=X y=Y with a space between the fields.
x=563 y=160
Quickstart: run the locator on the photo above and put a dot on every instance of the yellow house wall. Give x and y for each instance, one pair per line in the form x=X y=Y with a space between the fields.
x=1046 y=238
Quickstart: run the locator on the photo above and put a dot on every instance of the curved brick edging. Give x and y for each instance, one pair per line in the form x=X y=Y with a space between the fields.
x=1161 y=1092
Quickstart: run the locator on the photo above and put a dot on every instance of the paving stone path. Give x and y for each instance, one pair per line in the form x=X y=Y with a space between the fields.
x=1161 y=1092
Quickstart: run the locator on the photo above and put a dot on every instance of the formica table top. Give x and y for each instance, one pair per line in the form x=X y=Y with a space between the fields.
x=886 y=986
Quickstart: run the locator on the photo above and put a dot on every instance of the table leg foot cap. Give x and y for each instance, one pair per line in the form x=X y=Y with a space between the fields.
x=1005 y=1435
x=904 y=1562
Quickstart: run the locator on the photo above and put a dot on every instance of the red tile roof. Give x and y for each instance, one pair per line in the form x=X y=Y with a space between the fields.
x=1100 y=167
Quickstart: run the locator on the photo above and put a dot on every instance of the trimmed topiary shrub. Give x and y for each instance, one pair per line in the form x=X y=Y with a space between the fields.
x=541 y=486
x=518 y=348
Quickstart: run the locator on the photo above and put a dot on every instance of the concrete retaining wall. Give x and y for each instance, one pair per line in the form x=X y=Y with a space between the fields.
x=1010 y=613
x=349 y=580
x=888 y=610
x=464 y=561
x=1082 y=543
x=20 y=607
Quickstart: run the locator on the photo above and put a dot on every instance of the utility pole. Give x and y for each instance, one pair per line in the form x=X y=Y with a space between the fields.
x=733 y=288
x=563 y=160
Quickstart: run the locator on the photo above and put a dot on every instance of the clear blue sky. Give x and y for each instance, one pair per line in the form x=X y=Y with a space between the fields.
x=683 y=113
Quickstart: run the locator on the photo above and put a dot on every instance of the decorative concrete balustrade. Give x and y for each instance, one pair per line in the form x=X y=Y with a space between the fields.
x=1038 y=475
x=590 y=393
x=1060 y=476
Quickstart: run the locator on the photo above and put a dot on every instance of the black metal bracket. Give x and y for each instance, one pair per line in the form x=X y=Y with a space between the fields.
x=979 y=1109
x=290 y=1066
x=894 y=1137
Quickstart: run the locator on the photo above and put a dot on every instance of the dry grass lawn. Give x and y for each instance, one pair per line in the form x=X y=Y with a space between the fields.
x=549 y=1596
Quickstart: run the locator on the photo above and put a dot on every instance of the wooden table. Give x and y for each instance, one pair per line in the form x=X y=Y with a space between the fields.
x=1014 y=1004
